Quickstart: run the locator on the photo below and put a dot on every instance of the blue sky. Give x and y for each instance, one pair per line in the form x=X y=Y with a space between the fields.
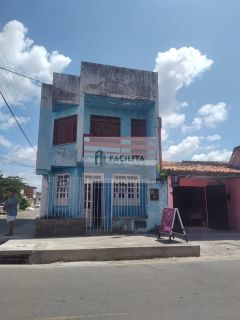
x=198 y=63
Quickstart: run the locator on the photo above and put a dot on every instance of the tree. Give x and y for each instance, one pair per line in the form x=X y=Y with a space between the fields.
x=24 y=204
x=8 y=183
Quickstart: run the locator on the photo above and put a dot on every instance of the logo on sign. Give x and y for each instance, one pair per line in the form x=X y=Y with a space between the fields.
x=100 y=158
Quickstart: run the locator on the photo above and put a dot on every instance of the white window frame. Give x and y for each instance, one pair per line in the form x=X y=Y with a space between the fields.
x=129 y=191
x=62 y=192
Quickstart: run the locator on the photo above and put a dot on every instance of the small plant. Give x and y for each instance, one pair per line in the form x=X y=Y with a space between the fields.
x=24 y=204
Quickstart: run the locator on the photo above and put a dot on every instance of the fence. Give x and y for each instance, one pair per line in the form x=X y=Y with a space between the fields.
x=104 y=205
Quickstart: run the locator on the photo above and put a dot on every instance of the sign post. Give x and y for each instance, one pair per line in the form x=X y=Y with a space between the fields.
x=171 y=224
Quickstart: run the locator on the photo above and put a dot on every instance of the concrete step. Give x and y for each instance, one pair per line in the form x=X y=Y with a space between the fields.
x=100 y=254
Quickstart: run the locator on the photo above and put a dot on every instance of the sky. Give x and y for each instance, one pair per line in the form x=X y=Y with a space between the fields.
x=193 y=45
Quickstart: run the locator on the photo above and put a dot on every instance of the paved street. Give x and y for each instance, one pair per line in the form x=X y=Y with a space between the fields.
x=144 y=290
x=24 y=225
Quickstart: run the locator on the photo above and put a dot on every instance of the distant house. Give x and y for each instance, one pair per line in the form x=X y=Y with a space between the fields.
x=30 y=194
x=98 y=151
x=206 y=193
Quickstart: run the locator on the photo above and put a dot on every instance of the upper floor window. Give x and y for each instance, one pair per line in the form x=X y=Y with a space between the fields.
x=65 y=130
x=138 y=128
x=104 y=126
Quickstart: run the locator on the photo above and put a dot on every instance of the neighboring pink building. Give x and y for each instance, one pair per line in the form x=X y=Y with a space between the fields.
x=206 y=193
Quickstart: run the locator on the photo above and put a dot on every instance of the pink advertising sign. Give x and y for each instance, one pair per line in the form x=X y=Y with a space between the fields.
x=167 y=220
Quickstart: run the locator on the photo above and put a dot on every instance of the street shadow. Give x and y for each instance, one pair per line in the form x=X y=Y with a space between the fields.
x=206 y=234
x=173 y=241
x=24 y=229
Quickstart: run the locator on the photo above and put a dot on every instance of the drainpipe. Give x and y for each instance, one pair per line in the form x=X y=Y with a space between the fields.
x=159 y=130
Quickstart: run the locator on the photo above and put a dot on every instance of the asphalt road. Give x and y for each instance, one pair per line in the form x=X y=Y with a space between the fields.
x=24 y=224
x=142 y=291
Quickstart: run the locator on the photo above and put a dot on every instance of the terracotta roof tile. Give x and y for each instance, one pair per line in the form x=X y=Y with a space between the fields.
x=200 y=168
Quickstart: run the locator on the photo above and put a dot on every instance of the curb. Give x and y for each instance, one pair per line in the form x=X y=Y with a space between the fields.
x=101 y=254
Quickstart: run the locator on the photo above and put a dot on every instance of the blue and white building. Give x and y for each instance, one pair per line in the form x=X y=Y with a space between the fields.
x=98 y=152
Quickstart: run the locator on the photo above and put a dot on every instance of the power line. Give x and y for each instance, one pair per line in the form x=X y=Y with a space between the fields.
x=18 y=123
x=21 y=74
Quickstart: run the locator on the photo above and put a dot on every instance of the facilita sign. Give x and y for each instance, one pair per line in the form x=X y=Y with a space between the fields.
x=102 y=159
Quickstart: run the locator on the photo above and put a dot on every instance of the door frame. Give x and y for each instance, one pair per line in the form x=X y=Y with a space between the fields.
x=89 y=179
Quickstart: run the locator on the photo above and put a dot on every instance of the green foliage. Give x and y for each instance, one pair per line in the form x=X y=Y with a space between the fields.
x=24 y=204
x=8 y=183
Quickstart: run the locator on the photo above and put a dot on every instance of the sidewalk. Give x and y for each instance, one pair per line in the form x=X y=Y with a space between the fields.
x=214 y=245
x=23 y=245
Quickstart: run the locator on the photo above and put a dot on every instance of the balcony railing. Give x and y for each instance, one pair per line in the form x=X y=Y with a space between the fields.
x=119 y=151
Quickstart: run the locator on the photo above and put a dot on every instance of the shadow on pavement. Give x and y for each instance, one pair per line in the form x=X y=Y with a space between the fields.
x=23 y=229
x=205 y=234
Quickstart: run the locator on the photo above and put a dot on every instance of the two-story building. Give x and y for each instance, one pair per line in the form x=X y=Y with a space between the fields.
x=98 y=150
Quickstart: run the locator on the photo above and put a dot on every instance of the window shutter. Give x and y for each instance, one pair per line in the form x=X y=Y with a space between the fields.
x=65 y=130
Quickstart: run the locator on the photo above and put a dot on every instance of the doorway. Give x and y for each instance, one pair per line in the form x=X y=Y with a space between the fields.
x=191 y=204
x=217 y=207
x=93 y=200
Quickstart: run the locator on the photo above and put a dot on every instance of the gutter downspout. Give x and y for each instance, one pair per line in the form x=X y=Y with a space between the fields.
x=159 y=130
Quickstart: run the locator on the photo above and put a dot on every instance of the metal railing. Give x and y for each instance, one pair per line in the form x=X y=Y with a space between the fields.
x=104 y=205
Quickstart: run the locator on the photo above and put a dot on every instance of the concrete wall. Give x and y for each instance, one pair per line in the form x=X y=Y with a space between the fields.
x=155 y=208
x=45 y=130
x=120 y=82
x=66 y=90
x=233 y=187
x=235 y=158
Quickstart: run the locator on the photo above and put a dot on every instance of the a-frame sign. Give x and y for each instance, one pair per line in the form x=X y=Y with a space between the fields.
x=171 y=224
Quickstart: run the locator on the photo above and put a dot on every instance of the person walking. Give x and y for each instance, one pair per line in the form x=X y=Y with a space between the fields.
x=10 y=207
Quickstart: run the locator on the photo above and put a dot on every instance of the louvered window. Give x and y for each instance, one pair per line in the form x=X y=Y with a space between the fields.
x=65 y=130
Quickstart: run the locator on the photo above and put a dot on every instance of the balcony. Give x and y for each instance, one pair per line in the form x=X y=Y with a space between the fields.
x=63 y=155
x=119 y=151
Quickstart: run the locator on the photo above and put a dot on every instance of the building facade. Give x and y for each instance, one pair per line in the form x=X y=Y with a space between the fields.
x=206 y=193
x=98 y=150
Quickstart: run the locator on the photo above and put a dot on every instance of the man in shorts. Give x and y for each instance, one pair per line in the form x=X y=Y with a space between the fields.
x=11 y=210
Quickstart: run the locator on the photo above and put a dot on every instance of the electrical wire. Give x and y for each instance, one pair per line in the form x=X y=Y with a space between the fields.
x=18 y=123
x=13 y=89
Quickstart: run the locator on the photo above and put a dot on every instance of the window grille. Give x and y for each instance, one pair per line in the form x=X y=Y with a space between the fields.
x=62 y=190
x=126 y=190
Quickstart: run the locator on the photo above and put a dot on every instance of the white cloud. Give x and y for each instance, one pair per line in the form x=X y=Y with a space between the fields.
x=214 y=137
x=164 y=135
x=7 y=121
x=215 y=155
x=185 y=148
x=209 y=115
x=20 y=155
x=178 y=68
x=213 y=114
x=4 y=142
x=19 y=52
x=173 y=120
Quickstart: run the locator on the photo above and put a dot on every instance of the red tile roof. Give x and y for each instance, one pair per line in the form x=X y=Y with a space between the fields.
x=207 y=168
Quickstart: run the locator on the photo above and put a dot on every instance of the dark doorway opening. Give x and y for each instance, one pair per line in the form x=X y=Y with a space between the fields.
x=217 y=207
x=191 y=204
x=97 y=204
